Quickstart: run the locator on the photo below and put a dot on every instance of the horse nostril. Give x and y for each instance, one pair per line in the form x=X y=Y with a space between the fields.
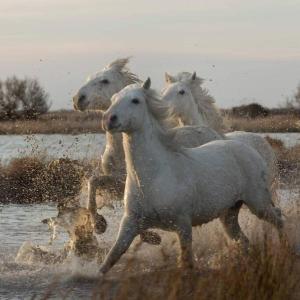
x=81 y=98
x=113 y=119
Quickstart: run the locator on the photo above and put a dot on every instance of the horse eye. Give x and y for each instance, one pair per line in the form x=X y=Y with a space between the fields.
x=181 y=92
x=105 y=81
x=135 y=101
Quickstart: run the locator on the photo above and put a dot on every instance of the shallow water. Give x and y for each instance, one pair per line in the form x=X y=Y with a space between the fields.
x=24 y=279
x=82 y=146
x=22 y=223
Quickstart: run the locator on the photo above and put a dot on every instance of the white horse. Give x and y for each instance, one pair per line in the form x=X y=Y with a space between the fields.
x=175 y=188
x=192 y=105
x=96 y=95
x=204 y=111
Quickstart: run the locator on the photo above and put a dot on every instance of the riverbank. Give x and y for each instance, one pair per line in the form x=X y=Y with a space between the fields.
x=62 y=122
x=73 y=122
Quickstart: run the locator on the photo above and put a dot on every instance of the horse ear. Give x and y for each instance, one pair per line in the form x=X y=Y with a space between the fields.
x=169 y=78
x=119 y=64
x=194 y=76
x=146 y=85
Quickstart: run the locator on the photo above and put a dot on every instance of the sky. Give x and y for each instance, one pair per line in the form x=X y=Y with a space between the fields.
x=246 y=50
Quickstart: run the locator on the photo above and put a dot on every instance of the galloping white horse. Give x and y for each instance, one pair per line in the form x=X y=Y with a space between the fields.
x=192 y=105
x=175 y=188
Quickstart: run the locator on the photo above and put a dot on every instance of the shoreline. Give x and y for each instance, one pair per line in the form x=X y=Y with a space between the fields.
x=73 y=122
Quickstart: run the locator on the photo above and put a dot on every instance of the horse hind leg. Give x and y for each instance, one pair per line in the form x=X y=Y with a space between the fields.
x=272 y=215
x=232 y=227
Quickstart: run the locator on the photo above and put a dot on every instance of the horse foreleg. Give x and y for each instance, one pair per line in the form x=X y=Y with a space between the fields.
x=184 y=233
x=94 y=183
x=127 y=232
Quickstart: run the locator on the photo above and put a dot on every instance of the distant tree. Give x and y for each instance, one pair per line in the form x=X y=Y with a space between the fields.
x=12 y=91
x=22 y=98
x=35 y=99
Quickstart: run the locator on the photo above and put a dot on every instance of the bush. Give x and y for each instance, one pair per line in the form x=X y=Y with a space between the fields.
x=22 y=98
x=252 y=110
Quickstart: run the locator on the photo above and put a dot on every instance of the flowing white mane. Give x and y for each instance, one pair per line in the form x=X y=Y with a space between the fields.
x=160 y=112
x=205 y=102
x=120 y=66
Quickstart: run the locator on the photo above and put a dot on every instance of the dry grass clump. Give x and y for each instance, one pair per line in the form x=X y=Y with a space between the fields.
x=64 y=122
x=268 y=271
x=288 y=160
x=34 y=179
x=74 y=122
x=272 y=123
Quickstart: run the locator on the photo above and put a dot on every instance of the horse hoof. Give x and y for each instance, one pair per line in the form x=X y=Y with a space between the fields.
x=150 y=237
x=100 y=224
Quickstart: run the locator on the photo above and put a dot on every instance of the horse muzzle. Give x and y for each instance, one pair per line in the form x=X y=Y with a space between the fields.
x=79 y=102
x=110 y=122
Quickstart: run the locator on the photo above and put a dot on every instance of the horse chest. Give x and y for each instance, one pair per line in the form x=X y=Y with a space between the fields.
x=153 y=202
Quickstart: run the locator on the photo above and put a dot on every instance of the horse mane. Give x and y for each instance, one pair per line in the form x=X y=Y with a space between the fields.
x=120 y=66
x=204 y=101
x=160 y=112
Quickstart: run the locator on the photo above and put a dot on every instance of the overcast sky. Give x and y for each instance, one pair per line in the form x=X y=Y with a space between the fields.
x=245 y=49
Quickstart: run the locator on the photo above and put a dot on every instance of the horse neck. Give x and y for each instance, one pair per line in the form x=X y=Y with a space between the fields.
x=115 y=144
x=192 y=116
x=208 y=110
x=144 y=152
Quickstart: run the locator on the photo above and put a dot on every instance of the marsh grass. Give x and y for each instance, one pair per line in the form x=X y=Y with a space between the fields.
x=272 y=123
x=73 y=122
x=267 y=271
x=64 y=122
